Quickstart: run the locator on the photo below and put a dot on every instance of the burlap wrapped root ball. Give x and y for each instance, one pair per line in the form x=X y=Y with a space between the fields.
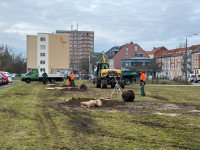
x=128 y=96
x=83 y=87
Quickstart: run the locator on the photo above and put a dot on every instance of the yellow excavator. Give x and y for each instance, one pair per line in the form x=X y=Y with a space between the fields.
x=105 y=76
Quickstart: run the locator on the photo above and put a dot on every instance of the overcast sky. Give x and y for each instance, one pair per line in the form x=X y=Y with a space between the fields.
x=149 y=23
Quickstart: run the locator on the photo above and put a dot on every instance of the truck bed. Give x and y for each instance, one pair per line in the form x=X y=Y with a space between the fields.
x=130 y=73
x=53 y=75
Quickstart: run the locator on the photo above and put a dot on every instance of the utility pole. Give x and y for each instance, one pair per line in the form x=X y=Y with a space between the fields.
x=186 y=59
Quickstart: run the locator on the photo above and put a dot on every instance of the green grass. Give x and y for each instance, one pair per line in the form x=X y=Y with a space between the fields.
x=29 y=122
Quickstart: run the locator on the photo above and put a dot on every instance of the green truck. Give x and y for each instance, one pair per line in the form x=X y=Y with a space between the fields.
x=129 y=76
x=35 y=75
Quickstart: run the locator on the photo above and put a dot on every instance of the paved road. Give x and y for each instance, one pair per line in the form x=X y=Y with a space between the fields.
x=7 y=85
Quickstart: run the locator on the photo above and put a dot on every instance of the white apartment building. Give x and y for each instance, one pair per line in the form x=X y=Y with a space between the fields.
x=48 y=52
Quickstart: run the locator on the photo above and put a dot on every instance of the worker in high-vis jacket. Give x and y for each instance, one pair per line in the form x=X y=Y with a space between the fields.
x=142 y=82
x=71 y=80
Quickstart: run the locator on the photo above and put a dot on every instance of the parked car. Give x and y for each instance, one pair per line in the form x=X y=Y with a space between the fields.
x=76 y=76
x=5 y=78
x=192 y=78
x=1 y=80
x=13 y=75
x=8 y=75
x=85 y=76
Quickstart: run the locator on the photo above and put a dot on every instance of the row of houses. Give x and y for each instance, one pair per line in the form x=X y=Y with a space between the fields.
x=70 y=50
x=176 y=62
x=172 y=63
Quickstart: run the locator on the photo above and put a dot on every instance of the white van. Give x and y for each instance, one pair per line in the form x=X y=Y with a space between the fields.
x=197 y=77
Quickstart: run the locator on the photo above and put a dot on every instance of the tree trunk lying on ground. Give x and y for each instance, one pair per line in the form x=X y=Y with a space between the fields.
x=91 y=103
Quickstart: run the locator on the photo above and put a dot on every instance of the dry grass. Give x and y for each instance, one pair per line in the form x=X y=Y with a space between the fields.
x=29 y=122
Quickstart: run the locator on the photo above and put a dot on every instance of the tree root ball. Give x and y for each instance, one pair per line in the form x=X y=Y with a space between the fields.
x=83 y=87
x=128 y=96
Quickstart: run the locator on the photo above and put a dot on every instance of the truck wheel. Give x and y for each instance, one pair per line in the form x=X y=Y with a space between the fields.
x=52 y=81
x=97 y=85
x=128 y=81
x=113 y=84
x=103 y=84
x=93 y=81
x=28 y=80
x=121 y=83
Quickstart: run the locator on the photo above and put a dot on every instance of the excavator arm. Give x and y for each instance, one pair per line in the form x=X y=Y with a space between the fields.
x=104 y=60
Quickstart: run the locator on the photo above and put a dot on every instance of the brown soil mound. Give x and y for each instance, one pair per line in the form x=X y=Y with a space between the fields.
x=130 y=107
x=105 y=103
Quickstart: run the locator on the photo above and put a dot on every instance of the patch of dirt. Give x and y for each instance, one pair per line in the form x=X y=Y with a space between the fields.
x=82 y=124
x=152 y=124
x=105 y=103
x=134 y=107
x=21 y=94
x=159 y=98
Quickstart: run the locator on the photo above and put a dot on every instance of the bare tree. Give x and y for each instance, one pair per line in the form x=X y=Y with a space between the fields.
x=11 y=62
x=85 y=65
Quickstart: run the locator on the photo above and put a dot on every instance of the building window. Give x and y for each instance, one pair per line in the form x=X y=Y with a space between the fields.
x=42 y=62
x=126 y=53
x=42 y=46
x=197 y=56
x=42 y=38
x=138 y=55
x=127 y=48
x=42 y=54
x=135 y=48
x=42 y=69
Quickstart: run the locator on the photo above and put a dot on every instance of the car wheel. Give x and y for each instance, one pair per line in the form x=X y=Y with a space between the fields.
x=52 y=81
x=28 y=80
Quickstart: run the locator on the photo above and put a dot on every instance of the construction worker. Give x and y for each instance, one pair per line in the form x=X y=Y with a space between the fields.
x=142 y=82
x=71 y=80
x=44 y=79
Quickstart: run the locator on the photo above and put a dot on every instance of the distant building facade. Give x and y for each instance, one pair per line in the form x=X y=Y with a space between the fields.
x=128 y=51
x=81 y=45
x=48 y=52
x=156 y=51
x=129 y=63
x=172 y=62
x=110 y=55
x=196 y=60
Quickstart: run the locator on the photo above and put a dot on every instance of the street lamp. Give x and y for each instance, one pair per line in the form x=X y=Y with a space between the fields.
x=186 y=60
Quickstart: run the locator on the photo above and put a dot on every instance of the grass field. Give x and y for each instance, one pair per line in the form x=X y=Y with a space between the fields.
x=28 y=120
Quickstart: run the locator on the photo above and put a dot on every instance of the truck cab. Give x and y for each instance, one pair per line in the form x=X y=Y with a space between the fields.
x=32 y=75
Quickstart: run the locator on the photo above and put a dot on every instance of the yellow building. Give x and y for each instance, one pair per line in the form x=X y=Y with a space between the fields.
x=48 y=52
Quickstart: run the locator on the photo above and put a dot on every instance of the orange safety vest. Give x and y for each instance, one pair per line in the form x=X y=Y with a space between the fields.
x=143 y=77
x=72 y=76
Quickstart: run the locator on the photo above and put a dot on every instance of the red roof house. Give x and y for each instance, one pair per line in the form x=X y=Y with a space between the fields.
x=128 y=51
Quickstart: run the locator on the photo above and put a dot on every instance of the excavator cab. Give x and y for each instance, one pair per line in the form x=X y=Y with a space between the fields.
x=100 y=67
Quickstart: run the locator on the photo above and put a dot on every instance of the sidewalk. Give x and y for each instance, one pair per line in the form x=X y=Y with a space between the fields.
x=193 y=84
